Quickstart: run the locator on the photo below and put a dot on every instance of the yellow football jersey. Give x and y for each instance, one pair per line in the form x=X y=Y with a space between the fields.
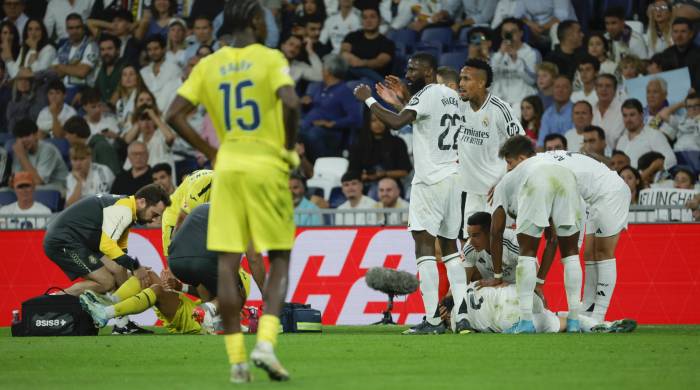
x=192 y=192
x=238 y=87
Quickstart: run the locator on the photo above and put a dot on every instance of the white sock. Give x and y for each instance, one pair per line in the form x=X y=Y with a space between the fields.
x=109 y=310
x=589 y=286
x=211 y=307
x=458 y=282
x=525 y=280
x=120 y=322
x=112 y=297
x=429 y=280
x=572 y=283
x=586 y=323
x=607 y=276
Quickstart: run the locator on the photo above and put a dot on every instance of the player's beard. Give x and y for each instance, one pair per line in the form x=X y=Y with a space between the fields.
x=415 y=86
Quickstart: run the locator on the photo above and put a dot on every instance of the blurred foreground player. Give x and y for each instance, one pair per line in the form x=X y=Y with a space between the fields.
x=247 y=90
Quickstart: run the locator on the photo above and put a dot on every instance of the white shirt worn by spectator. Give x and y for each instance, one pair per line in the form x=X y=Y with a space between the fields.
x=485 y=131
x=481 y=11
x=611 y=122
x=591 y=98
x=312 y=71
x=686 y=132
x=541 y=11
x=647 y=140
x=404 y=13
x=157 y=83
x=514 y=79
x=574 y=140
x=368 y=218
x=636 y=45
x=394 y=218
x=107 y=121
x=484 y=263
x=11 y=216
x=58 y=10
x=99 y=181
x=504 y=9
x=45 y=120
x=44 y=59
x=336 y=28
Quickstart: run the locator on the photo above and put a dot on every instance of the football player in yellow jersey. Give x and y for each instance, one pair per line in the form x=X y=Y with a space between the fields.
x=192 y=192
x=250 y=97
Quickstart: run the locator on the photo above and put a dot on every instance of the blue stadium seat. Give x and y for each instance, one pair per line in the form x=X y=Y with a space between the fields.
x=454 y=60
x=583 y=9
x=185 y=167
x=63 y=146
x=337 y=198
x=404 y=39
x=433 y=48
x=49 y=198
x=7 y=197
x=689 y=158
x=4 y=137
x=437 y=34
x=463 y=35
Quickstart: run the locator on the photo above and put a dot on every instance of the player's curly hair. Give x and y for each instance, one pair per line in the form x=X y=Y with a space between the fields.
x=481 y=65
x=238 y=14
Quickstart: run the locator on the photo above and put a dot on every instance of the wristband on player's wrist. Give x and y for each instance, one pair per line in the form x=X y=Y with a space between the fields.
x=540 y=281
x=369 y=101
x=185 y=288
x=498 y=276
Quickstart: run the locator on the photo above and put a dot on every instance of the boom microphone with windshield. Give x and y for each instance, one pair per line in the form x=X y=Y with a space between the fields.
x=392 y=283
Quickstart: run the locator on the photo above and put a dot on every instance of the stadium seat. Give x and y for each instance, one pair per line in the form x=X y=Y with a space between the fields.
x=327 y=173
x=583 y=10
x=625 y=4
x=404 y=39
x=433 y=48
x=463 y=36
x=4 y=137
x=337 y=198
x=63 y=146
x=454 y=60
x=7 y=197
x=437 y=34
x=689 y=158
x=49 y=198
x=185 y=167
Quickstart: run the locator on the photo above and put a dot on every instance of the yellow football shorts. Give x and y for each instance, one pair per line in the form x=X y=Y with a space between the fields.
x=250 y=206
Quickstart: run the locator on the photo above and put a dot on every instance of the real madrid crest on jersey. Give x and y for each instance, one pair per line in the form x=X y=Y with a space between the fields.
x=485 y=121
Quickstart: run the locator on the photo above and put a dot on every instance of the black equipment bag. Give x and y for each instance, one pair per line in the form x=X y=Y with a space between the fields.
x=54 y=315
x=300 y=318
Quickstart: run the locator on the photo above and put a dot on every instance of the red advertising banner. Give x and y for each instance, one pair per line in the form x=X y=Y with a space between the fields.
x=658 y=273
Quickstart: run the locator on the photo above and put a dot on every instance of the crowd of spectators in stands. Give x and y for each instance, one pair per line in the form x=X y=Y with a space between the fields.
x=84 y=85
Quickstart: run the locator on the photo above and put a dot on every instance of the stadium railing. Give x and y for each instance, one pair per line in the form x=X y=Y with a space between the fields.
x=380 y=217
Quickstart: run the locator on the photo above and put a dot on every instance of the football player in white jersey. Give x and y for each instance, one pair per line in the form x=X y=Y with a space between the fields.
x=608 y=198
x=493 y=310
x=539 y=195
x=477 y=251
x=489 y=122
x=434 y=211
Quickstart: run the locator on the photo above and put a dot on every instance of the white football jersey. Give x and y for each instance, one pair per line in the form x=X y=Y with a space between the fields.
x=483 y=262
x=479 y=140
x=508 y=189
x=438 y=118
x=593 y=178
x=491 y=310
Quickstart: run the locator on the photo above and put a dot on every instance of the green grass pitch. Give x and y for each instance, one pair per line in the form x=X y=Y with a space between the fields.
x=364 y=358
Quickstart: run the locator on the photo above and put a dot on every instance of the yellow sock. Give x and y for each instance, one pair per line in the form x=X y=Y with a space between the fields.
x=135 y=304
x=235 y=348
x=268 y=328
x=128 y=289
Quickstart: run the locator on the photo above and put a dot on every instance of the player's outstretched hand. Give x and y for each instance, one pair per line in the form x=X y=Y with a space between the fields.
x=362 y=92
x=388 y=95
x=490 y=283
x=395 y=84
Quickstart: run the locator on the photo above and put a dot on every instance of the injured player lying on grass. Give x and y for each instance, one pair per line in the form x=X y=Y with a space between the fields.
x=495 y=309
x=179 y=313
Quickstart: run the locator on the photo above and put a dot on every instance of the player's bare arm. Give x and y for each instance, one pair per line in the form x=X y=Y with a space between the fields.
x=291 y=114
x=393 y=120
x=177 y=119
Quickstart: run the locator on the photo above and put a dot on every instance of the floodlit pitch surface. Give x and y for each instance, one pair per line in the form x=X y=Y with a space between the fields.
x=364 y=358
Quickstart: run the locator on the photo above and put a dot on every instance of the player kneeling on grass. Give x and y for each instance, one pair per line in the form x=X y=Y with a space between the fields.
x=495 y=309
x=174 y=308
